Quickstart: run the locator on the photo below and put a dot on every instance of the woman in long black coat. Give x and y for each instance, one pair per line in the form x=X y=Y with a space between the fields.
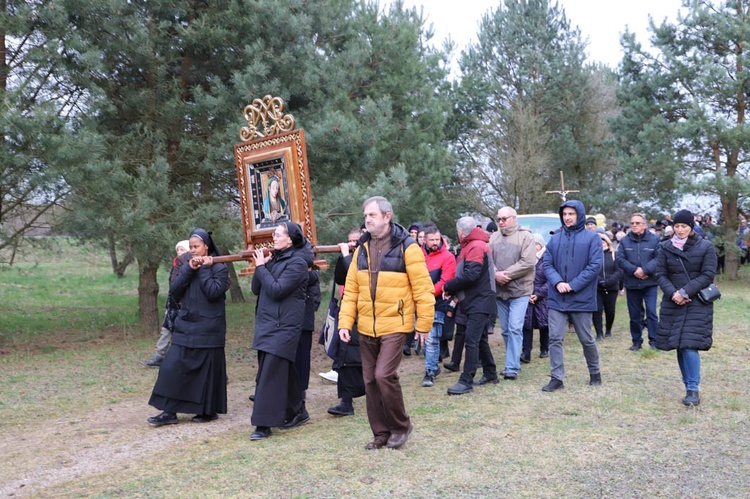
x=685 y=264
x=280 y=282
x=607 y=289
x=536 y=311
x=193 y=374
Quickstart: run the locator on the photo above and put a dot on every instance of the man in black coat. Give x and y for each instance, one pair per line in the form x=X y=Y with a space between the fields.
x=636 y=257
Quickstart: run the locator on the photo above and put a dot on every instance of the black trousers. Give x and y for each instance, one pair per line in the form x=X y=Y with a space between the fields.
x=302 y=360
x=459 y=339
x=605 y=301
x=528 y=340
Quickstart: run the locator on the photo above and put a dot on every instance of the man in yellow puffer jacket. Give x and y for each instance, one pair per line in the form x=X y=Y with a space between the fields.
x=389 y=294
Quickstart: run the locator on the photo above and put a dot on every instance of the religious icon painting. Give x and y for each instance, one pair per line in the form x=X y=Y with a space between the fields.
x=274 y=186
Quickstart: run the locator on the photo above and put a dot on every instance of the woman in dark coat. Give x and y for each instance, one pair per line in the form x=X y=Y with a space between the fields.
x=536 y=311
x=193 y=374
x=280 y=282
x=607 y=289
x=348 y=361
x=685 y=265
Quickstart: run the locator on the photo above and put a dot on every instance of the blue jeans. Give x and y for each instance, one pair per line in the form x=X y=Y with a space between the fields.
x=432 y=345
x=636 y=298
x=512 y=313
x=690 y=367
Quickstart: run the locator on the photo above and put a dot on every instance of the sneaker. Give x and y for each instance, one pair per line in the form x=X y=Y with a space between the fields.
x=429 y=379
x=553 y=385
x=154 y=361
x=595 y=379
x=459 y=389
x=331 y=376
x=692 y=398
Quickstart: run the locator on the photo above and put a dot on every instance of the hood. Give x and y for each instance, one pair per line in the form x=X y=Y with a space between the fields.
x=398 y=235
x=306 y=253
x=476 y=234
x=580 y=210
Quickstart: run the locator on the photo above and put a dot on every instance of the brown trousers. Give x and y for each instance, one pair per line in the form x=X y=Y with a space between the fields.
x=381 y=358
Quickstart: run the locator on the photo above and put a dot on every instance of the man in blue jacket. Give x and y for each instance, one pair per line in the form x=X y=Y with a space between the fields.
x=572 y=263
x=636 y=256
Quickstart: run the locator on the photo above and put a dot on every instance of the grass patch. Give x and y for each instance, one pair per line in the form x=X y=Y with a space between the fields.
x=73 y=404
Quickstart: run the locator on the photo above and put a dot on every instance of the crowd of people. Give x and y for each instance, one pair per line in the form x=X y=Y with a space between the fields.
x=402 y=288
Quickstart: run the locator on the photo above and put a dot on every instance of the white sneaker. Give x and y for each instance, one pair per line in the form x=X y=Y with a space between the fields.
x=331 y=376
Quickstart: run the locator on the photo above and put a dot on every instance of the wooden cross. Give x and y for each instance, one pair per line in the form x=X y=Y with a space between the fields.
x=562 y=192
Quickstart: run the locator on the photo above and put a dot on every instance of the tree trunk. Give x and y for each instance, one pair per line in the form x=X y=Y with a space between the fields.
x=235 y=291
x=148 y=295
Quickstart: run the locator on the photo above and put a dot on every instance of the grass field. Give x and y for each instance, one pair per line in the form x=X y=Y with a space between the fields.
x=73 y=409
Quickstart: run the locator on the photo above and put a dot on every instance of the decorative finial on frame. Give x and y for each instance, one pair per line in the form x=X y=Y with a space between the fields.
x=263 y=111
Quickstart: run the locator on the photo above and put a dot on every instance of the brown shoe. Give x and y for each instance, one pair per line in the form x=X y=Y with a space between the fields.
x=396 y=440
x=375 y=444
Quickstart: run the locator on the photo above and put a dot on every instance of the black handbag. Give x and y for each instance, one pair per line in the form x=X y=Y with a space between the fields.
x=707 y=295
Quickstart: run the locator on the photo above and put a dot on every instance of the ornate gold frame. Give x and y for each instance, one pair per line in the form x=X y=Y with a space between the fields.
x=275 y=152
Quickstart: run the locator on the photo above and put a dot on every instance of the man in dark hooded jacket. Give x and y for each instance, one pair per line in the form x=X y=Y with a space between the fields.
x=571 y=264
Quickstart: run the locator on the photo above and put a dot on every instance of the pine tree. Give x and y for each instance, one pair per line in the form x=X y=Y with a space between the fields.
x=683 y=127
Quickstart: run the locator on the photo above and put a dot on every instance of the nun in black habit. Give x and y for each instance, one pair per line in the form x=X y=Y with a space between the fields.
x=193 y=375
x=280 y=282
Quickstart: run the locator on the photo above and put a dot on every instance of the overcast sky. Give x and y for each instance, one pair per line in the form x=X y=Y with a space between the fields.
x=600 y=21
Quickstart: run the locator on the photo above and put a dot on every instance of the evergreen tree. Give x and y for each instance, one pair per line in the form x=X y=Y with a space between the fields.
x=683 y=128
x=532 y=95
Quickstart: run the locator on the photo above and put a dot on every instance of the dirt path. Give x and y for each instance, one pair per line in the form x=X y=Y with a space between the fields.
x=69 y=448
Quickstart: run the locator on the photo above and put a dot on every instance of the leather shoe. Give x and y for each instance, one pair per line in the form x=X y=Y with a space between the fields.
x=553 y=385
x=451 y=366
x=376 y=444
x=595 y=379
x=301 y=418
x=544 y=354
x=396 y=440
x=525 y=358
x=510 y=376
x=635 y=347
x=459 y=389
x=484 y=380
x=342 y=409
x=204 y=418
x=162 y=419
x=407 y=350
x=252 y=397
x=261 y=433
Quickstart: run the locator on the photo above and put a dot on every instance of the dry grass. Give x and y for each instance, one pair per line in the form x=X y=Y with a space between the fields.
x=73 y=424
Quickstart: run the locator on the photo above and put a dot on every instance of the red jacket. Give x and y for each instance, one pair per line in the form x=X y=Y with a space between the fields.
x=441 y=265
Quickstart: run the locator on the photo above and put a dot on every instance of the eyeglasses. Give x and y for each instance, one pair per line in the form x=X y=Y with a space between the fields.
x=276 y=235
x=637 y=223
x=503 y=219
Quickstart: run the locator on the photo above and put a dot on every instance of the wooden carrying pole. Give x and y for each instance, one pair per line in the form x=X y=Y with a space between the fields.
x=250 y=254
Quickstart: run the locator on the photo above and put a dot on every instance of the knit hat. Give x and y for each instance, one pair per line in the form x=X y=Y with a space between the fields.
x=539 y=239
x=591 y=220
x=415 y=226
x=185 y=244
x=491 y=227
x=684 y=217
